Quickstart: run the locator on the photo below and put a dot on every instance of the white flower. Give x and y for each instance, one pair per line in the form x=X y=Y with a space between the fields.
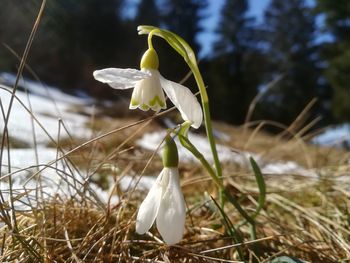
x=149 y=86
x=164 y=204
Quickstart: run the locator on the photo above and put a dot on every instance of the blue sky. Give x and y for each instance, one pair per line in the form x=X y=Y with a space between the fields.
x=207 y=38
x=210 y=23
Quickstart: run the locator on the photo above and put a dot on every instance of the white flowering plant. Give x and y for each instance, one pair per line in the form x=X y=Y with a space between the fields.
x=164 y=203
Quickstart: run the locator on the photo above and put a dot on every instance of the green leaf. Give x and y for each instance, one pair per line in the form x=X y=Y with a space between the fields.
x=261 y=185
x=185 y=142
x=230 y=228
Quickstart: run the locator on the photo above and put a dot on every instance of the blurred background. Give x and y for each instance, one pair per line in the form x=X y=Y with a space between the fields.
x=285 y=53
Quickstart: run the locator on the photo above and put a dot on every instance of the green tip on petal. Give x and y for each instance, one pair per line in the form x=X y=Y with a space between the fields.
x=144 y=107
x=150 y=59
x=170 y=155
x=134 y=102
x=157 y=101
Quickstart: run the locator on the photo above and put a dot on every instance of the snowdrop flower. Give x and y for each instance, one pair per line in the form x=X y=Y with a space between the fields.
x=149 y=86
x=164 y=202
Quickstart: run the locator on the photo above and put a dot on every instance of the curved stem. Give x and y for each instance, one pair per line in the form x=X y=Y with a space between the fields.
x=207 y=119
x=208 y=125
x=189 y=146
x=187 y=53
x=149 y=40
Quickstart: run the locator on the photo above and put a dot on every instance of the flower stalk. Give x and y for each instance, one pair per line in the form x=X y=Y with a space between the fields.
x=164 y=203
x=187 y=53
x=208 y=127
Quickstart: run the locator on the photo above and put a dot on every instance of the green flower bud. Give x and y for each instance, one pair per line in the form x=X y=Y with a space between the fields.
x=170 y=155
x=150 y=59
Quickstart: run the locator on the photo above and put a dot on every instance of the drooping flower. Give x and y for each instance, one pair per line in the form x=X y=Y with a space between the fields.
x=149 y=85
x=164 y=202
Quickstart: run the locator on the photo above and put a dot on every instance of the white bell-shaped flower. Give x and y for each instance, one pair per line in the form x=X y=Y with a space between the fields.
x=164 y=204
x=148 y=93
x=149 y=85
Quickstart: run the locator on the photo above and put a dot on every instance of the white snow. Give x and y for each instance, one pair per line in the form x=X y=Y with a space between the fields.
x=143 y=183
x=50 y=93
x=47 y=112
x=58 y=178
x=288 y=167
x=49 y=105
x=336 y=136
x=151 y=141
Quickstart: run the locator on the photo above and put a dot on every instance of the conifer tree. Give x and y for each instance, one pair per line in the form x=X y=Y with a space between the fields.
x=235 y=27
x=147 y=13
x=184 y=17
x=337 y=54
x=235 y=68
x=82 y=37
x=289 y=35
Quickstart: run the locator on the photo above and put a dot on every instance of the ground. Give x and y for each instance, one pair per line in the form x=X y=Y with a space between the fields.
x=74 y=175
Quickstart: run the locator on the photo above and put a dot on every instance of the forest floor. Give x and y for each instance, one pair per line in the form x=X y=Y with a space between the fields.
x=73 y=177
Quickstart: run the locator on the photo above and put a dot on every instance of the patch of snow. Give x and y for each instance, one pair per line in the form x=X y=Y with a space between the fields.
x=337 y=136
x=40 y=89
x=288 y=167
x=46 y=112
x=143 y=183
x=54 y=179
x=217 y=134
x=49 y=106
x=26 y=157
x=221 y=135
x=58 y=177
x=151 y=141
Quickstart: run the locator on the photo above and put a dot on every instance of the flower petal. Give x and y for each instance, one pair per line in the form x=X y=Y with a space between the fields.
x=120 y=78
x=148 y=93
x=172 y=210
x=184 y=100
x=149 y=208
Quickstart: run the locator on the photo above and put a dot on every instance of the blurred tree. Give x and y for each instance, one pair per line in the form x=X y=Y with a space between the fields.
x=147 y=13
x=183 y=17
x=289 y=34
x=74 y=38
x=16 y=20
x=235 y=69
x=235 y=28
x=337 y=54
x=82 y=37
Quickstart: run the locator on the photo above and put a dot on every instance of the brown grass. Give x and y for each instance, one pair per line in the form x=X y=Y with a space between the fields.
x=304 y=217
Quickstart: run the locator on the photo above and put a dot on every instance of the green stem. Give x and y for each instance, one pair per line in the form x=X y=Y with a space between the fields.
x=208 y=125
x=149 y=40
x=189 y=146
x=187 y=53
